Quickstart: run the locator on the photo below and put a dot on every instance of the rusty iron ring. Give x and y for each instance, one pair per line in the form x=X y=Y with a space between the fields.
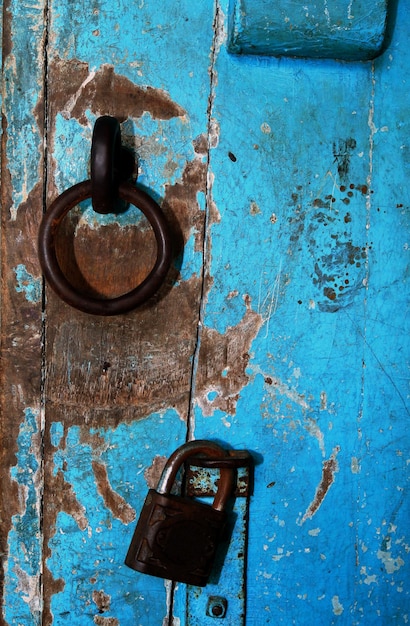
x=59 y=283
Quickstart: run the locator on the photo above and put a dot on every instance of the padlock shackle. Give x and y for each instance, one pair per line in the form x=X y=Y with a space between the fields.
x=189 y=449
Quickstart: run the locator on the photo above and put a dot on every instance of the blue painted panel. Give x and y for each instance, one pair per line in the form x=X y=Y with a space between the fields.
x=332 y=29
x=300 y=244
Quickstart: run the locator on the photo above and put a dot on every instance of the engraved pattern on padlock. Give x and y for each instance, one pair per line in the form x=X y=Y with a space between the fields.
x=176 y=537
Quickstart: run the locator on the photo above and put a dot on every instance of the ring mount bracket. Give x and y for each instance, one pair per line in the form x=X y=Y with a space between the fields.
x=111 y=163
x=108 y=190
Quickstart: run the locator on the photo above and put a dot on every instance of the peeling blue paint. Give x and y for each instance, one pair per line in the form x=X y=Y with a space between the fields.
x=23 y=566
x=178 y=35
x=94 y=541
x=308 y=211
x=22 y=74
x=28 y=284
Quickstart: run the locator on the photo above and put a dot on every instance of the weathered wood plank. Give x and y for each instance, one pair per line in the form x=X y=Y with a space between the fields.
x=118 y=389
x=282 y=326
x=21 y=468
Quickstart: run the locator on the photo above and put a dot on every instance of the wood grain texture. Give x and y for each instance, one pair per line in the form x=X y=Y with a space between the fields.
x=21 y=317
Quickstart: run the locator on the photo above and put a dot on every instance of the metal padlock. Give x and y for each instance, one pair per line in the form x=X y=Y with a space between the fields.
x=176 y=537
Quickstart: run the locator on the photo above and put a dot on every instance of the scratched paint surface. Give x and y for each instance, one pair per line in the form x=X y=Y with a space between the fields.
x=282 y=327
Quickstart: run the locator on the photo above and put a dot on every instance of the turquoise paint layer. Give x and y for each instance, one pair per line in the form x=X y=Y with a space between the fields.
x=22 y=80
x=23 y=565
x=314 y=238
x=94 y=540
x=27 y=284
x=161 y=45
x=333 y=29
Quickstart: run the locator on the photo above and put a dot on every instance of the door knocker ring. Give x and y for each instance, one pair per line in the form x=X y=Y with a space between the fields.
x=111 y=189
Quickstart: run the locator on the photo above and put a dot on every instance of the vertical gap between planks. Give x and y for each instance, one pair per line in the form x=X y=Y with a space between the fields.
x=190 y=430
x=43 y=295
x=208 y=202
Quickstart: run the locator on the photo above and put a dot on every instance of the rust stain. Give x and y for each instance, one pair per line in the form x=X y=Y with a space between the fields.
x=113 y=501
x=329 y=468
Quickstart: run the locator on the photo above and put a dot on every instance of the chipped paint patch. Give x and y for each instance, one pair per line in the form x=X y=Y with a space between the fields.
x=169 y=590
x=76 y=90
x=28 y=284
x=113 y=501
x=223 y=361
x=369 y=579
x=106 y=621
x=329 y=468
x=152 y=474
x=101 y=600
x=355 y=465
x=23 y=565
x=337 y=605
x=390 y=563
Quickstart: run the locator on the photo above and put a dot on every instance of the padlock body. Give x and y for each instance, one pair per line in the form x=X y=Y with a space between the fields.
x=176 y=538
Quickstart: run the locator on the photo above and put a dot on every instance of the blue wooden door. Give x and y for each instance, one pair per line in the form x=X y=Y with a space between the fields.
x=282 y=327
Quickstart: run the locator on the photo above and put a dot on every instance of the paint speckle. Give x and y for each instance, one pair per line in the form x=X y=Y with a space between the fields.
x=254 y=210
x=265 y=128
x=355 y=465
x=337 y=605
